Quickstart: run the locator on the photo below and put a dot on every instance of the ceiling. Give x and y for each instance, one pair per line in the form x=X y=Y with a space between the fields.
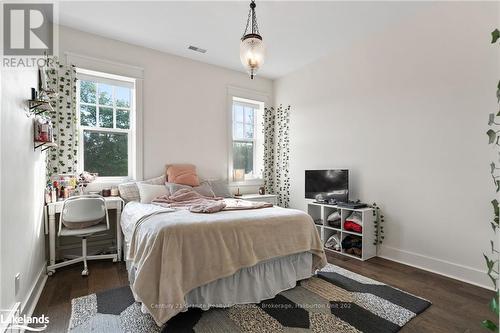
x=295 y=33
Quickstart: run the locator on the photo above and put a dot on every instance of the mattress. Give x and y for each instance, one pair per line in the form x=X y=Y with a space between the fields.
x=248 y=285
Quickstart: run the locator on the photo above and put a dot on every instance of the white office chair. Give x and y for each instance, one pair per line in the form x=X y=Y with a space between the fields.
x=84 y=212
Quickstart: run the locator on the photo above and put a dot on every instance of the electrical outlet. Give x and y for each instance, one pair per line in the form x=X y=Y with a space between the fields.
x=17 y=282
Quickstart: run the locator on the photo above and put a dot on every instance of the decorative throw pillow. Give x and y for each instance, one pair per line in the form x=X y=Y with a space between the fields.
x=184 y=174
x=220 y=188
x=130 y=191
x=148 y=192
x=204 y=189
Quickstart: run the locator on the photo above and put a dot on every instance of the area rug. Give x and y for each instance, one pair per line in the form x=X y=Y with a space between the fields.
x=334 y=300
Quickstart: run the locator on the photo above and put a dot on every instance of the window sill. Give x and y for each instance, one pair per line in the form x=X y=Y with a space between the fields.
x=112 y=180
x=248 y=182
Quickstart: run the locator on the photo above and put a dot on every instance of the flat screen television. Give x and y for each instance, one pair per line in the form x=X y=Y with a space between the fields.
x=324 y=185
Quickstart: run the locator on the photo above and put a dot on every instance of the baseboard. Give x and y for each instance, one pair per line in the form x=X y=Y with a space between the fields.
x=449 y=269
x=29 y=304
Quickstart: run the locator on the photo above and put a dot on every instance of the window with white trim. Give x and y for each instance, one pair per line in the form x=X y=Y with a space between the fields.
x=106 y=115
x=247 y=140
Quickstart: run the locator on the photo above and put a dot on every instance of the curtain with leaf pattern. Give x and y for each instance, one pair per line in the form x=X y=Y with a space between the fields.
x=63 y=158
x=277 y=153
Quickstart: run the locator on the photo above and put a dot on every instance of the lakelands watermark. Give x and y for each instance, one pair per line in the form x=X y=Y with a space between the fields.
x=28 y=34
x=13 y=322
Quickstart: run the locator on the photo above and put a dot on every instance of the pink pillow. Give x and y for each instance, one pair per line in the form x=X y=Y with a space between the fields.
x=184 y=174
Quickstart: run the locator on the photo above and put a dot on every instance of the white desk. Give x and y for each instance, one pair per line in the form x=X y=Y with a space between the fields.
x=53 y=208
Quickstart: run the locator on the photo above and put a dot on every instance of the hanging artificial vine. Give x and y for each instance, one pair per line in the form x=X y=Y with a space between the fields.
x=493 y=264
x=378 y=219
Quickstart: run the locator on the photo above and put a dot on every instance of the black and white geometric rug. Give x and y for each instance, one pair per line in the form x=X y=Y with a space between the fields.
x=335 y=300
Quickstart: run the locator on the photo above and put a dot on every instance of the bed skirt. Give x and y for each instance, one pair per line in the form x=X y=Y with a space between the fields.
x=249 y=285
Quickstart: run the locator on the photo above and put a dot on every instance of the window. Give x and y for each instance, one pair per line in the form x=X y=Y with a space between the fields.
x=106 y=112
x=247 y=140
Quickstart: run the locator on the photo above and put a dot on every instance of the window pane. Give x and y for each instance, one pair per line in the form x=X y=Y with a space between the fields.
x=238 y=113
x=87 y=92
x=87 y=115
x=238 y=130
x=106 y=153
x=243 y=156
x=105 y=94
x=122 y=119
x=249 y=115
x=106 y=117
x=122 y=96
x=249 y=131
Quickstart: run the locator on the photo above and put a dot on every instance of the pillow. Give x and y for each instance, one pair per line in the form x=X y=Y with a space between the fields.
x=130 y=191
x=220 y=188
x=184 y=174
x=148 y=192
x=204 y=189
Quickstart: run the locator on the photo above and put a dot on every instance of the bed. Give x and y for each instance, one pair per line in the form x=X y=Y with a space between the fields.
x=178 y=259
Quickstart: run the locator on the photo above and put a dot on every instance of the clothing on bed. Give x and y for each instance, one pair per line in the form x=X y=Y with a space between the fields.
x=204 y=189
x=187 y=198
x=176 y=251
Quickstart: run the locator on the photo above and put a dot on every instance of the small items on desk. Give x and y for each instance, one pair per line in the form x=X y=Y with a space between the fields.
x=63 y=186
x=114 y=191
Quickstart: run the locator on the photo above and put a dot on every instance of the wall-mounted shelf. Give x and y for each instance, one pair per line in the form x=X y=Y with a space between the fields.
x=45 y=145
x=38 y=106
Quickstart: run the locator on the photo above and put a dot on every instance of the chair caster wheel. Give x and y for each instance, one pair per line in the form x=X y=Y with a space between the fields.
x=50 y=273
x=115 y=260
x=85 y=272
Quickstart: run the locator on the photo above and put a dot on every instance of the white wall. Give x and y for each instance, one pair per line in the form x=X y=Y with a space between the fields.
x=406 y=111
x=185 y=106
x=22 y=179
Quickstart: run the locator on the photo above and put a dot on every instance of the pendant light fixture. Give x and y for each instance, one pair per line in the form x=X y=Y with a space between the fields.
x=252 y=50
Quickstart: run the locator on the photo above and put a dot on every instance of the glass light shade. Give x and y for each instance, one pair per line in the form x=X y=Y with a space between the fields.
x=252 y=52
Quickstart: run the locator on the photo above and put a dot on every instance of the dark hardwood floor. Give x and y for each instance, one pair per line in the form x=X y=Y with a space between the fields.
x=456 y=306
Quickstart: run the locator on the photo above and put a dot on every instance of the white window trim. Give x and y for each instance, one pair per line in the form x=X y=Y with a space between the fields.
x=86 y=75
x=253 y=105
x=250 y=95
x=118 y=69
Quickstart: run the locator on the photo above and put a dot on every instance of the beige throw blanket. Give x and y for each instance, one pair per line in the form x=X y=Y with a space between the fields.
x=197 y=203
x=176 y=251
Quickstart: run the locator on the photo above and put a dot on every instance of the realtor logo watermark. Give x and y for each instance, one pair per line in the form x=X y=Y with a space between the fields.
x=12 y=322
x=28 y=34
